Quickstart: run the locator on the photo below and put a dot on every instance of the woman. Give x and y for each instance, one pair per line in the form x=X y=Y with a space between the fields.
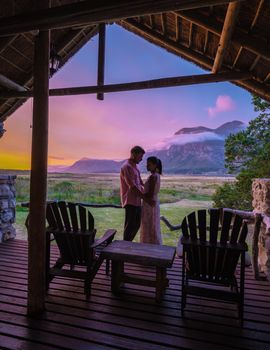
x=150 y=221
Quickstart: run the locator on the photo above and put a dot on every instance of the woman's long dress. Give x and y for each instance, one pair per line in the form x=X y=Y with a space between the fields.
x=150 y=221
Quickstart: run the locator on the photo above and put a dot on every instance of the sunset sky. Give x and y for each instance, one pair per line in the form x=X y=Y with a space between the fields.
x=82 y=126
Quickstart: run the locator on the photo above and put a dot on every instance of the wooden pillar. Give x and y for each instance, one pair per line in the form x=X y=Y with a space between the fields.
x=38 y=180
x=101 y=59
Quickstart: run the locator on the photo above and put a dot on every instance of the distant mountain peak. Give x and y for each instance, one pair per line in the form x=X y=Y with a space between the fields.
x=195 y=130
x=224 y=129
x=230 y=127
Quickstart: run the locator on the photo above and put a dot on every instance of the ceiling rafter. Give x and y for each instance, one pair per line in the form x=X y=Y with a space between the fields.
x=177 y=28
x=190 y=34
x=237 y=56
x=255 y=62
x=226 y=35
x=163 y=23
x=206 y=41
x=248 y=42
x=13 y=64
x=267 y=77
x=5 y=42
x=257 y=14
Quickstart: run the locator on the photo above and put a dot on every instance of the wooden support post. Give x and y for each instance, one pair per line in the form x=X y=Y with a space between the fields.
x=101 y=59
x=38 y=181
x=226 y=35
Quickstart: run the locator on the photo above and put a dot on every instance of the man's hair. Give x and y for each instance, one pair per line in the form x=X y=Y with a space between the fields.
x=137 y=150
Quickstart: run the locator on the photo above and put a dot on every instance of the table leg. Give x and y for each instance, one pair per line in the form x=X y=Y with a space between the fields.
x=161 y=283
x=117 y=271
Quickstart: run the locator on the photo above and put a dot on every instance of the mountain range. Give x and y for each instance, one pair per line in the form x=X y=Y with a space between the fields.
x=197 y=150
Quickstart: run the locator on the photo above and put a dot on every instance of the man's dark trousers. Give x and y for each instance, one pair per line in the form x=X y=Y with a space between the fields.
x=132 y=221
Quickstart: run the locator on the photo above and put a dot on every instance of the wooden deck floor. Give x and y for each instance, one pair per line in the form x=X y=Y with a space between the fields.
x=131 y=320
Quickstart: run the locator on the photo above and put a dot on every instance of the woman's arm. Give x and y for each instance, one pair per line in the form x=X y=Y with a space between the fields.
x=152 y=185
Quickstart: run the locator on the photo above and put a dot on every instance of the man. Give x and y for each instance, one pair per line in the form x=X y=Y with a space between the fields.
x=131 y=192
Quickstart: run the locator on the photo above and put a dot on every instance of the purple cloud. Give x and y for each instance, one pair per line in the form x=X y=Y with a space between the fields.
x=224 y=103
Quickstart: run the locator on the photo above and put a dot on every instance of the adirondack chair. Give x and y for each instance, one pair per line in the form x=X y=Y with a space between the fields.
x=72 y=227
x=211 y=254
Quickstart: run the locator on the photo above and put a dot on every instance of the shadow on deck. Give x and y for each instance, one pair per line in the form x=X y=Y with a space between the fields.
x=131 y=320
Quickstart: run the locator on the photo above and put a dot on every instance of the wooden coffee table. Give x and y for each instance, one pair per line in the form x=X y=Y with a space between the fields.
x=159 y=256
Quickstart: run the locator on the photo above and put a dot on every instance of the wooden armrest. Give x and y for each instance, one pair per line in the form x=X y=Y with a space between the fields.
x=106 y=238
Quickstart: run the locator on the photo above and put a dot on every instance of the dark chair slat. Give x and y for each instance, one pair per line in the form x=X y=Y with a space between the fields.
x=213 y=235
x=202 y=224
x=73 y=216
x=50 y=218
x=243 y=232
x=184 y=228
x=57 y=216
x=194 y=250
x=64 y=212
x=91 y=222
x=82 y=213
x=214 y=224
x=202 y=234
x=236 y=229
x=192 y=225
x=226 y=224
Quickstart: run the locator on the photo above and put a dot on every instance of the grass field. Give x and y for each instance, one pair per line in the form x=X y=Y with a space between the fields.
x=179 y=195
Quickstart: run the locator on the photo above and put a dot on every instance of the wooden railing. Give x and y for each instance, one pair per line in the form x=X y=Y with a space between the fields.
x=116 y=206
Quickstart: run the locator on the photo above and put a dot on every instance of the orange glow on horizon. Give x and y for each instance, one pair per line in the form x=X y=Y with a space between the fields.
x=15 y=161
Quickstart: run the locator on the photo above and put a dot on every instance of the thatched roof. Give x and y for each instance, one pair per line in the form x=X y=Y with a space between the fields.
x=194 y=34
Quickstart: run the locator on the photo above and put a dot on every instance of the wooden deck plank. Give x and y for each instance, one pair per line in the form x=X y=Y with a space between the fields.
x=130 y=320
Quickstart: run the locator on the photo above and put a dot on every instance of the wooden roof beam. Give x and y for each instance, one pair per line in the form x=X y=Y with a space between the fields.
x=139 y=85
x=95 y=11
x=10 y=84
x=226 y=35
x=5 y=42
x=248 y=42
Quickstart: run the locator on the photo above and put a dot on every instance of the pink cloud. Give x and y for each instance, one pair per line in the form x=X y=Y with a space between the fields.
x=224 y=103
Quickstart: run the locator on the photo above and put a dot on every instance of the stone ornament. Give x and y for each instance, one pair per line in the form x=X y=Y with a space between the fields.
x=7 y=207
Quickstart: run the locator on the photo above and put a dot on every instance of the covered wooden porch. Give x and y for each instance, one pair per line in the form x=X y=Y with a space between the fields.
x=131 y=320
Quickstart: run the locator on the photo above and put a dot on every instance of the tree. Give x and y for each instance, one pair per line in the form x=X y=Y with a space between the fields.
x=247 y=154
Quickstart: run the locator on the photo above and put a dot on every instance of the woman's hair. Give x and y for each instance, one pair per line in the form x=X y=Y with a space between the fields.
x=157 y=163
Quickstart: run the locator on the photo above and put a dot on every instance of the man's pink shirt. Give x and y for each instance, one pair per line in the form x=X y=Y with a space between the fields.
x=130 y=177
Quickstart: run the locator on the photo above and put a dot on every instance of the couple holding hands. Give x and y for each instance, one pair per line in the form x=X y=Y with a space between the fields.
x=139 y=199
